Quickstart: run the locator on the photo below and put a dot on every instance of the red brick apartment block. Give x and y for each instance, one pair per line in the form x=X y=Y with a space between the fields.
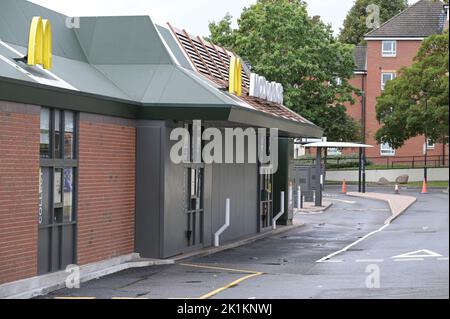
x=407 y=30
x=19 y=189
x=106 y=199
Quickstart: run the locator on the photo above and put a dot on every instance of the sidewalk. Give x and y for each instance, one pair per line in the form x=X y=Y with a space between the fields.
x=397 y=203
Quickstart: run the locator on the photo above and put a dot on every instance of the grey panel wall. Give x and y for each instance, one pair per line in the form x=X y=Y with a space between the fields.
x=149 y=188
x=239 y=183
x=161 y=219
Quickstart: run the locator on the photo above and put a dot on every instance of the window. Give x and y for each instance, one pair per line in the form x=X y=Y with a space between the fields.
x=385 y=78
x=386 y=150
x=334 y=151
x=389 y=48
x=57 y=184
x=430 y=144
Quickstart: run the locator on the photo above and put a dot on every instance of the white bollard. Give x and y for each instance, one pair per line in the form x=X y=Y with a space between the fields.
x=274 y=220
x=299 y=197
x=225 y=226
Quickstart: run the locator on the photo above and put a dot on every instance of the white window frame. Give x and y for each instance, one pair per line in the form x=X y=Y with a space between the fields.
x=386 y=150
x=430 y=144
x=383 y=84
x=334 y=151
x=389 y=53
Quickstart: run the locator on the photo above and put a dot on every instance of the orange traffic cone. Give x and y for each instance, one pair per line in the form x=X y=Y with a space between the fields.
x=397 y=189
x=344 y=187
x=424 y=187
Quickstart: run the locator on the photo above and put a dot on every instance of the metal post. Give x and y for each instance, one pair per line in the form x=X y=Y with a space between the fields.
x=364 y=172
x=299 y=198
x=318 y=199
x=360 y=171
x=425 y=172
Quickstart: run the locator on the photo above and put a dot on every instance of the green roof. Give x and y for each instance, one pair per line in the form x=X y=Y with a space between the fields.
x=122 y=66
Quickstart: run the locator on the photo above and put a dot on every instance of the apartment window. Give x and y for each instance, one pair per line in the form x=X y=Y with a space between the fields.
x=385 y=78
x=57 y=186
x=386 y=150
x=389 y=48
x=431 y=145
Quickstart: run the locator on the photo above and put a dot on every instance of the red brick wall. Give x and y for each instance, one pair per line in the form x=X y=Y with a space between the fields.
x=355 y=110
x=19 y=188
x=106 y=198
x=406 y=51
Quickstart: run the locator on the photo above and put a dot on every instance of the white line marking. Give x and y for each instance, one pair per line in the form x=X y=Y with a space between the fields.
x=333 y=261
x=423 y=253
x=352 y=244
x=410 y=259
x=443 y=258
x=341 y=200
x=370 y=260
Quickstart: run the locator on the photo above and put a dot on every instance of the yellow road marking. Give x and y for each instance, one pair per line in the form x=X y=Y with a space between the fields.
x=234 y=283
x=230 y=285
x=220 y=268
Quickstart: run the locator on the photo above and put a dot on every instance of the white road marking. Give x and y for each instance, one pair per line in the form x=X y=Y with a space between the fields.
x=352 y=244
x=333 y=261
x=370 y=260
x=410 y=259
x=341 y=200
x=443 y=258
x=423 y=253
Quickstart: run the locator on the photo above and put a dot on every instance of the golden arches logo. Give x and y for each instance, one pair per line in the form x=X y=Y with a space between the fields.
x=235 y=78
x=40 y=43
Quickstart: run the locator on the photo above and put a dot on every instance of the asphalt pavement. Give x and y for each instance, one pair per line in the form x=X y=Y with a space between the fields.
x=406 y=259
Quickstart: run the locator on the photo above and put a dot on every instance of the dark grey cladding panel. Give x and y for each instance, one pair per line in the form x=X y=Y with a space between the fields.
x=149 y=189
x=15 y=19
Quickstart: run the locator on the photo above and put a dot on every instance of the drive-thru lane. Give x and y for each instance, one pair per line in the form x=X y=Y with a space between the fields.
x=407 y=259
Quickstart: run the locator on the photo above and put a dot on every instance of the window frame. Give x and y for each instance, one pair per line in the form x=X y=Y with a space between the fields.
x=53 y=163
x=387 y=151
x=393 y=76
x=430 y=146
x=389 y=54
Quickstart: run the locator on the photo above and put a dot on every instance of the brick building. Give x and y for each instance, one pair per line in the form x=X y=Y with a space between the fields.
x=85 y=167
x=389 y=48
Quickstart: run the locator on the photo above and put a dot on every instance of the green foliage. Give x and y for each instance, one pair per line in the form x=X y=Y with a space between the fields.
x=281 y=42
x=355 y=26
x=416 y=102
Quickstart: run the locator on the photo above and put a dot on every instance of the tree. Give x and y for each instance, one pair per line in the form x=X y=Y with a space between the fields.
x=355 y=25
x=416 y=102
x=221 y=32
x=281 y=42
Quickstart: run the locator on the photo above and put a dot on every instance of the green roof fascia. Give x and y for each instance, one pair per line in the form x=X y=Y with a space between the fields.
x=37 y=94
x=43 y=95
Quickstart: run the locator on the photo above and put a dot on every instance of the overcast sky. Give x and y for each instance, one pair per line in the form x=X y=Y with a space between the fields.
x=193 y=15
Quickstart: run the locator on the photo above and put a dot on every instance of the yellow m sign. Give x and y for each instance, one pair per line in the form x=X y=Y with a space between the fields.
x=235 y=79
x=40 y=43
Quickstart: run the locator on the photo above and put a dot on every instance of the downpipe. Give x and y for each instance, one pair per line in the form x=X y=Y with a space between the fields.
x=225 y=226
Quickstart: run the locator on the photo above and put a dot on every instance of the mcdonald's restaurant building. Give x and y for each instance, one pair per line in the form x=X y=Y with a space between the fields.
x=86 y=111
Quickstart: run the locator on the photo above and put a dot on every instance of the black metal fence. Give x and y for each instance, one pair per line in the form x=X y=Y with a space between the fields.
x=382 y=162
